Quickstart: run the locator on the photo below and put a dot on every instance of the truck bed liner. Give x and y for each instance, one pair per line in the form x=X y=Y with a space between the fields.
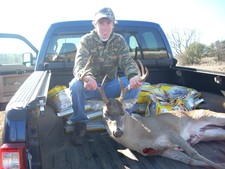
x=100 y=151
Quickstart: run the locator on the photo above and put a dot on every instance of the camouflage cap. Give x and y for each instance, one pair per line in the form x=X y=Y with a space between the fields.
x=105 y=13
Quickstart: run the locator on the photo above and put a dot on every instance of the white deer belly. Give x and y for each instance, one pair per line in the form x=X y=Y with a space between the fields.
x=202 y=131
x=144 y=144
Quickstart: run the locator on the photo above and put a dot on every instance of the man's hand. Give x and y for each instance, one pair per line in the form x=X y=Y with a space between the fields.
x=89 y=83
x=135 y=82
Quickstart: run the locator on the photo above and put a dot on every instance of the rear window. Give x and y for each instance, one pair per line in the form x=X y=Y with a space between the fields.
x=145 y=43
x=62 y=48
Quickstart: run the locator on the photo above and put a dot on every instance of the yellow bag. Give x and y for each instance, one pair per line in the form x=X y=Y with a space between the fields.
x=58 y=97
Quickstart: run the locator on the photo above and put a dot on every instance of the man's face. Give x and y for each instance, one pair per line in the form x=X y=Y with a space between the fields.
x=104 y=27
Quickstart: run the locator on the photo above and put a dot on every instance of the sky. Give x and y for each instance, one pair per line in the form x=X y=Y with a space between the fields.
x=32 y=18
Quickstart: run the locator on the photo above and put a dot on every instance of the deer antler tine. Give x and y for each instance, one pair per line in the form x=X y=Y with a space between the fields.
x=85 y=68
x=136 y=65
x=147 y=73
x=123 y=90
x=142 y=68
x=144 y=72
x=103 y=81
x=144 y=75
x=88 y=62
x=102 y=92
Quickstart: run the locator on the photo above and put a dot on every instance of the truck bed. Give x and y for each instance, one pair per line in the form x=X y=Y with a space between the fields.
x=100 y=151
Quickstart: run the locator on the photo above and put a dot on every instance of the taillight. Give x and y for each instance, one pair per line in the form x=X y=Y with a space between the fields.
x=13 y=156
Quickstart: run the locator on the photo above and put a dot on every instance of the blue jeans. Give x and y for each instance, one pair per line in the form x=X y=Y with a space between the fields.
x=79 y=94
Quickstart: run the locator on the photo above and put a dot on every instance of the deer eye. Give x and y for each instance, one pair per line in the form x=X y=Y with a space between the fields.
x=122 y=113
x=106 y=113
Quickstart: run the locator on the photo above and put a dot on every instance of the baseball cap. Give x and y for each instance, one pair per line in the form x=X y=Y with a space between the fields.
x=105 y=13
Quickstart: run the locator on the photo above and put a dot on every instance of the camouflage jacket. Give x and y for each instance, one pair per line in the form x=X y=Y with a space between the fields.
x=106 y=59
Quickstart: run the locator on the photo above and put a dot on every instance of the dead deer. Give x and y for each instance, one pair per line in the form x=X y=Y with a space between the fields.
x=168 y=134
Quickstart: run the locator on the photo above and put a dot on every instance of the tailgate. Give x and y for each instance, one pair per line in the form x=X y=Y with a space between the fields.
x=33 y=91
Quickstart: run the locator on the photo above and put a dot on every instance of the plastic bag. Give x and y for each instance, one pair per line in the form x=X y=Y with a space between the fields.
x=60 y=100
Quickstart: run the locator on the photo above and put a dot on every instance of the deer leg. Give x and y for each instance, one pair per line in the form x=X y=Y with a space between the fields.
x=192 y=153
x=180 y=156
x=209 y=132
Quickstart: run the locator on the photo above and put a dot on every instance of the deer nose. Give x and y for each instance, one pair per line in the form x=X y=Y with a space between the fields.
x=118 y=133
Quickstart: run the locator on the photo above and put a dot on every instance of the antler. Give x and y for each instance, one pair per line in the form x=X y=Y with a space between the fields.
x=102 y=92
x=123 y=90
x=100 y=89
x=142 y=74
x=85 y=71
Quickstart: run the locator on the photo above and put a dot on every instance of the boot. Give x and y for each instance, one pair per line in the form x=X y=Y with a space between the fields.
x=78 y=136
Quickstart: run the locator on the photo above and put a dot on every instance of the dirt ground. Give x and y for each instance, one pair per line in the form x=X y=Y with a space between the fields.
x=209 y=64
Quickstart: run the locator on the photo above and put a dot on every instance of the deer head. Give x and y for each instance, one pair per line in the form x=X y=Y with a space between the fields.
x=113 y=111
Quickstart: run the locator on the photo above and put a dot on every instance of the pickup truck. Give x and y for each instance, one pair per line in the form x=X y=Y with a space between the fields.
x=13 y=66
x=34 y=136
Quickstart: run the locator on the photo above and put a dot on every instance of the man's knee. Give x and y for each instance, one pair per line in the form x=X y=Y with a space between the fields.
x=133 y=93
x=76 y=85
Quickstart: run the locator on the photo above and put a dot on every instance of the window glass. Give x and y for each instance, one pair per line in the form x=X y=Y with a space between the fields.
x=62 y=48
x=155 y=47
x=145 y=44
x=15 y=52
x=151 y=41
x=133 y=43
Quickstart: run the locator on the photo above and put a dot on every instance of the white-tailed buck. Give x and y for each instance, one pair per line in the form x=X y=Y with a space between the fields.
x=169 y=134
